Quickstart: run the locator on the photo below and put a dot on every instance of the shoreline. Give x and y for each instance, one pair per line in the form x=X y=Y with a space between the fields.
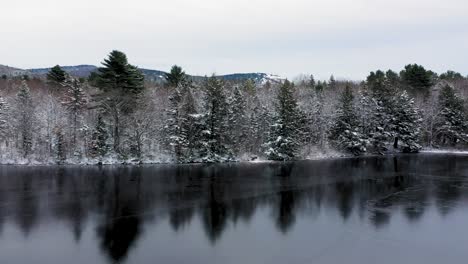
x=258 y=161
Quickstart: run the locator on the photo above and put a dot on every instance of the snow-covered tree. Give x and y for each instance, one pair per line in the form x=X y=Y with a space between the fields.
x=75 y=102
x=98 y=145
x=176 y=139
x=288 y=127
x=345 y=131
x=237 y=121
x=406 y=124
x=216 y=135
x=4 y=118
x=451 y=125
x=60 y=145
x=258 y=128
x=24 y=115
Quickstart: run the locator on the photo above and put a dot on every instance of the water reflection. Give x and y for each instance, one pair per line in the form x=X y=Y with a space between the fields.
x=121 y=203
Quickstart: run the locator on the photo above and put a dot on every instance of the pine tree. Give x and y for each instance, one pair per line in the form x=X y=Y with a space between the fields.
x=216 y=134
x=407 y=123
x=99 y=146
x=417 y=78
x=287 y=129
x=24 y=117
x=451 y=124
x=57 y=75
x=121 y=84
x=237 y=120
x=345 y=131
x=176 y=76
x=75 y=101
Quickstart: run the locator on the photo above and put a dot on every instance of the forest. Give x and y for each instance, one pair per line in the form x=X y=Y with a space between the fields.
x=117 y=116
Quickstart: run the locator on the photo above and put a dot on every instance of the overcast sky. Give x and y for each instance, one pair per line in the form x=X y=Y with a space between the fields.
x=347 y=38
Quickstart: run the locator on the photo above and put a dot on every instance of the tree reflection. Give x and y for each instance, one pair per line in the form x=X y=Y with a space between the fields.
x=121 y=202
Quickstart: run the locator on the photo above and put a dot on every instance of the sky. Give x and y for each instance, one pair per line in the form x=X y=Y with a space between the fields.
x=346 y=38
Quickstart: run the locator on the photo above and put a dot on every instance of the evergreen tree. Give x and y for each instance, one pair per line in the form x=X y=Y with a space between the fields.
x=451 y=76
x=345 y=131
x=57 y=75
x=317 y=121
x=176 y=138
x=332 y=82
x=99 y=146
x=451 y=124
x=407 y=123
x=176 y=76
x=380 y=99
x=216 y=134
x=74 y=101
x=288 y=126
x=24 y=117
x=60 y=146
x=121 y=84
x=192 y=127
x=258 y=128
x=249 y=87
x=237 y=121
x=417 y=78
x=312 y=82
x=5 y=118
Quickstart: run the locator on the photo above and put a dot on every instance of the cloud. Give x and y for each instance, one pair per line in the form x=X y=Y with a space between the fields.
x=282 y=37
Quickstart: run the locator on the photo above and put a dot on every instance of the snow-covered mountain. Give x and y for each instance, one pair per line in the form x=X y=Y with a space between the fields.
x=153 y=75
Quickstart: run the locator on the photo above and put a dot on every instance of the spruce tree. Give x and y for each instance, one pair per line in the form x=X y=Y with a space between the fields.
x=216 y=135
x=379 y=98
x=237 y=121
x=345 y=132
x=288 y=126
x=175 y=138
x=259 y=126
x=24 y=117
x=99 y=146
x=451 y=124
x=407 y=124
x=57 y=75
x=176 y=76
x=60 y=146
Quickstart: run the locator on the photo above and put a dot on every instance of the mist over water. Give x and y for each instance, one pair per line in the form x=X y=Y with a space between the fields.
x=401 y=209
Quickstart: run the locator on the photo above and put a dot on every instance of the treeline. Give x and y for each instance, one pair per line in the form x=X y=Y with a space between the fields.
x=117 y=116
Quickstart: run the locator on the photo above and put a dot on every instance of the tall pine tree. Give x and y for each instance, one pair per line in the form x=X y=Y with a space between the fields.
x=121 y=84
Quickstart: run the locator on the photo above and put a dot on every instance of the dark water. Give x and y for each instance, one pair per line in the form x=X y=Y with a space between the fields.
x=405 y=209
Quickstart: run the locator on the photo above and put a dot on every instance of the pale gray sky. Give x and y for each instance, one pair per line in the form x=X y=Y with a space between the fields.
x=348 y=38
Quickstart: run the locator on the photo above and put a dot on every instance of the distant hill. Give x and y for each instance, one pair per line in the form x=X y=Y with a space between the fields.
x=152 y=75
x=10 y=71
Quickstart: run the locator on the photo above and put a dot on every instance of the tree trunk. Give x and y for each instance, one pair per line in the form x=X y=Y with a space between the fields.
x=395 y=143
x=116 y=132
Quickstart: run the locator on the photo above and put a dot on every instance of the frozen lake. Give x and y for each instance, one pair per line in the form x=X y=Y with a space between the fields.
x=403 y=209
